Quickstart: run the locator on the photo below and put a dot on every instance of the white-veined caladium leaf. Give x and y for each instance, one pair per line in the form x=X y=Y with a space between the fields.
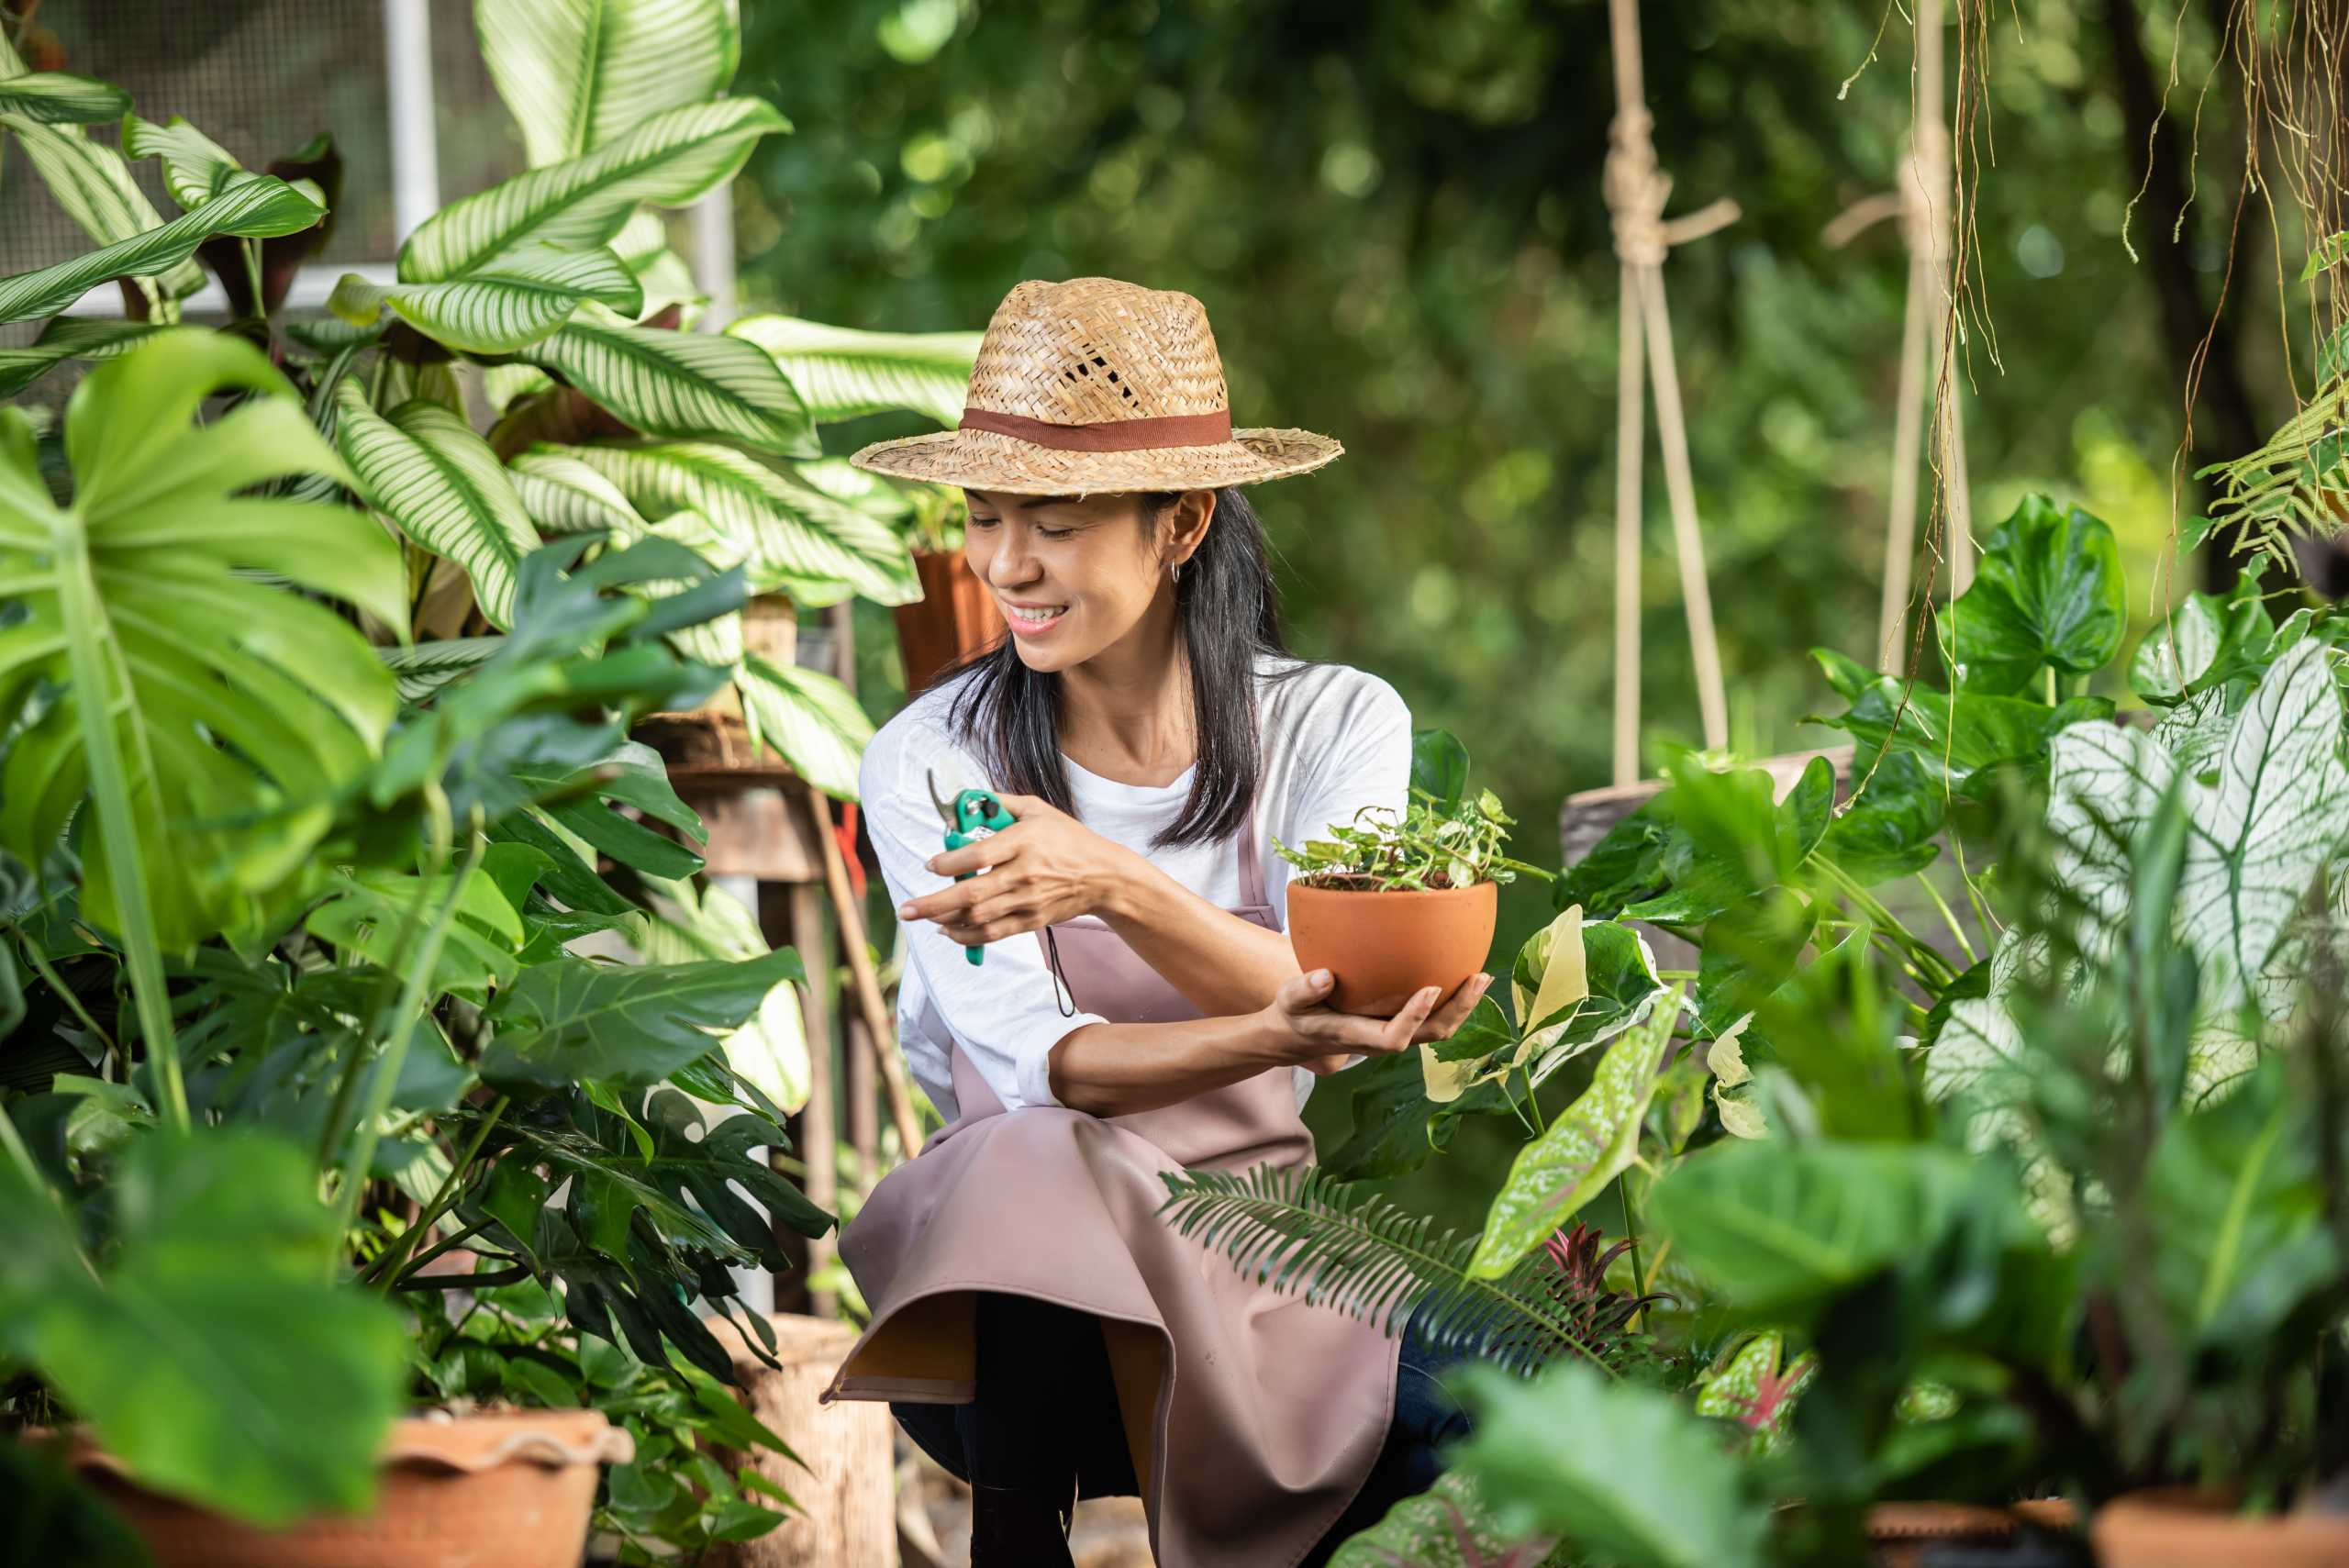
x=2175 y=654
x=812 y=722
x=52 y=97
x=91 y=183
x=668 y=160
x=2274 y=819
x=255 y=208
x=425 y=470
x=2104 y=783
x=504 y=305
x=843 y=374
x=690 y=385
x=68 y=338
x=564 y=495
x=577 y=73
x=791 y=536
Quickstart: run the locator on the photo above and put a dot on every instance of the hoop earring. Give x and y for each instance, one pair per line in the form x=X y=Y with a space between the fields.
x=1175 y=572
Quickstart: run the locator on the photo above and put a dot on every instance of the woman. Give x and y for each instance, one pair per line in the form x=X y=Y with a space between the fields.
x=1037 y=1326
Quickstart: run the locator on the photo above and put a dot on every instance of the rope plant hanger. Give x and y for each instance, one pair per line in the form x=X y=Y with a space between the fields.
x=1636 y=192
x=1922 y=202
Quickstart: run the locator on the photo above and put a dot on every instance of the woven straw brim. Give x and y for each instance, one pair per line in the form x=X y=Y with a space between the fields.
x=983 y=460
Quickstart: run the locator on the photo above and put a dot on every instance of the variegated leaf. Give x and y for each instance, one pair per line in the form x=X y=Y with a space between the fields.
x=423 y=668
x=51 y=97
x=579 y=73
x=668 y=160
x=255 y=208
x=689 y=386
x=426 y=470
x=505 y=305
x=811 y=721
x=68 y=338
x=842 y=373
x=564 y=495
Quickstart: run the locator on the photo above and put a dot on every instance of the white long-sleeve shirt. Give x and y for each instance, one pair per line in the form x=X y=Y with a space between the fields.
x=1334 y=739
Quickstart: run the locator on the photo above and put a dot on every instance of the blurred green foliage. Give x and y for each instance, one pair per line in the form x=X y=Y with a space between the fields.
x=1391 y=210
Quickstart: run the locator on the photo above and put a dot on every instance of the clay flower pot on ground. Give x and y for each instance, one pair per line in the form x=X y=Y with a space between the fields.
x=2179 y=1527
x=1397 y=901
x=511 y=1488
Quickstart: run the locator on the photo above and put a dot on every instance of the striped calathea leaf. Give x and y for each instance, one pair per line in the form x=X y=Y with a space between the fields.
x=683 y=384
x=563 y=495
x=812 y=722
x=423 y=468
x=842 y=373
x=92 y=183
x=253 y=208
x=578 y=73
x=51 y=97
x=68 y=338
x=791 y=536
x=668 y=160
x=507 y=302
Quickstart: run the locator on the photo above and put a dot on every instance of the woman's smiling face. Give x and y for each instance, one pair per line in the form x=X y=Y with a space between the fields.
x=1073 y=576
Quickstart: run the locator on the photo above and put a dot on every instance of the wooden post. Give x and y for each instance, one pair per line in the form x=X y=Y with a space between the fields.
x=844 y=1481
x=818 y=1143
x=867 y=983
x=863 y=1051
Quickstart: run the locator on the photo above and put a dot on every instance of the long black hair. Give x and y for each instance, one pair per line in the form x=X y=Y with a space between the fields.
x=1227 y=612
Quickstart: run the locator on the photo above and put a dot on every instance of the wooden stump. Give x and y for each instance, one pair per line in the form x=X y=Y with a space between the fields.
x=847 y=1491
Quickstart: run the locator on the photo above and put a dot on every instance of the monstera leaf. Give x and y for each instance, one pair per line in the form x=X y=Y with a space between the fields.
x=2047 y=595
x=579 y=73
x=668 y=160
x=423 y=468
x=211 y=1354
x=842 y=373
x=207 y=718
x=575 y=1018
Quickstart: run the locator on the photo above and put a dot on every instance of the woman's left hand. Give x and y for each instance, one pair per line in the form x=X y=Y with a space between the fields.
x=1045 y=868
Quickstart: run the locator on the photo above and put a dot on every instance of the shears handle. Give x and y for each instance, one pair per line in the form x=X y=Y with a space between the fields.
x=978 y=815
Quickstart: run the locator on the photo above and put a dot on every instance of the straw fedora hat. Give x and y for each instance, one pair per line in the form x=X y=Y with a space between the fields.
x=1098 y=387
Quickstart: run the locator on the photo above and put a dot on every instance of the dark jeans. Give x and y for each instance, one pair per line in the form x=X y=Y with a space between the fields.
x=1046 y=1418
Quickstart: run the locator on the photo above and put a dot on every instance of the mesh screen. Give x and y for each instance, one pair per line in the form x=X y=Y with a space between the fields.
x=261 y=77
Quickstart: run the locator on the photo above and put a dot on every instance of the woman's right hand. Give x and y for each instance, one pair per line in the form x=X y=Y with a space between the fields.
x=1321 y=1038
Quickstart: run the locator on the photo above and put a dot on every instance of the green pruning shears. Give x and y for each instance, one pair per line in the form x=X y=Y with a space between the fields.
x=975 y=814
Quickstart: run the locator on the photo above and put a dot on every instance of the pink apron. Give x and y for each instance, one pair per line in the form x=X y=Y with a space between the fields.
x=1253 y=1417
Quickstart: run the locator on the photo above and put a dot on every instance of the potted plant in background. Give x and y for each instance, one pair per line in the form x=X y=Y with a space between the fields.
x=956 y=618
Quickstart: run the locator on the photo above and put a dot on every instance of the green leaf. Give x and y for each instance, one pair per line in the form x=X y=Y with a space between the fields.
x=1626 y=867
x=1439 y=766
x=2325 y=255
x=1955 y=739
x=575 y=1020
x=377 y=916
x=68 y=338
x=1750 y=949
x=1447 y=1526
x=423 y=668
x=1394 y=1126
x=790 y=537
x=564 y=495
x=1889 y=828
x=425 y=470
x=2175 y=654
x=51 y=97
x=215 y=1356
x=1779 y=1230
x=631 y=776
x=255 y=208
x=507 y=302
x=668 y=160
x=812 y=722
x=1628 y=1473
x=93 y=185
x=689 y=923
x=225 y=713
x=1756 y=1386
x=842 y=373
x=578 y=73
x=196 y=168
x=2047 y=594
x=686 y=384
x=1591 y=1142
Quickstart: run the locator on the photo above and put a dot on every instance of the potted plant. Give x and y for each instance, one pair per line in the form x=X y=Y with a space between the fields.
x=956 y=618
x=1398 y=900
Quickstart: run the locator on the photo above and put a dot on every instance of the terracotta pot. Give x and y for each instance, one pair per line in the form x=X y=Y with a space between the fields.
x=1382 y=946
x=954 y=618
x=507 y=1490
x=2179 y=1527
x=1900 y=1533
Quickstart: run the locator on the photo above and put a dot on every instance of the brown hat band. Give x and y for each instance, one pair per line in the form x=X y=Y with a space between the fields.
x=1108 y=435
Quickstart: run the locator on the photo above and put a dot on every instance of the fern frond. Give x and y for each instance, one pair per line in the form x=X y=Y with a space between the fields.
x=1340 y=1244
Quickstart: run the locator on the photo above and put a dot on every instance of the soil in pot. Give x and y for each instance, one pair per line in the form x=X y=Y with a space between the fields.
x=505 y=1489
x=2179 y=1528
x=1381 y=947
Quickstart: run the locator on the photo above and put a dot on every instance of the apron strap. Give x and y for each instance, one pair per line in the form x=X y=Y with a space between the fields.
x=1252 y=863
